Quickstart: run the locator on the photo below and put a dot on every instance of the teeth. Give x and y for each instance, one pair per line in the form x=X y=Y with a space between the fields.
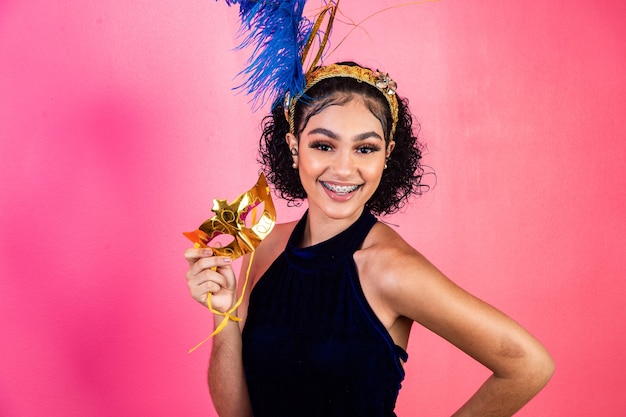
x=342 y=189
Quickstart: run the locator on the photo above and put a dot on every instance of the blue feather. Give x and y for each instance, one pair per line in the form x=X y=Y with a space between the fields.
x=277 y=32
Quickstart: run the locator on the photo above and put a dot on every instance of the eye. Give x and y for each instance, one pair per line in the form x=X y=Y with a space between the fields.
x=322 y=146
x=367 y=149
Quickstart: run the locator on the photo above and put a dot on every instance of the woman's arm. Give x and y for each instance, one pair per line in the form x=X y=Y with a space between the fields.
x=226 y=377
x=227 y=382
x=521 y=366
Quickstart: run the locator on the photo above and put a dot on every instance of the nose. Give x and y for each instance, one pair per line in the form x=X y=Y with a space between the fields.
x=343 y=163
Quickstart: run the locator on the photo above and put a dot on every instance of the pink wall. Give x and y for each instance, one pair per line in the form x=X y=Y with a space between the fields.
x=117 y=127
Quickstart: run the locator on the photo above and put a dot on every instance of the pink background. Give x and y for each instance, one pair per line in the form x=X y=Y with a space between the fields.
x=118 y=127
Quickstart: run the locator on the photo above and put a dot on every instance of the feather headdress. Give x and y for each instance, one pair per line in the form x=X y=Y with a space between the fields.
x=281 y=37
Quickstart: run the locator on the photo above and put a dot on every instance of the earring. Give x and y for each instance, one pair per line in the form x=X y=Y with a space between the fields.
x=390 y=147
x=294 y=153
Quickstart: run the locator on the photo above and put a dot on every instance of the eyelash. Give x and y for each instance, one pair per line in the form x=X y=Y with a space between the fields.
x=318 y=144
x=324 y=146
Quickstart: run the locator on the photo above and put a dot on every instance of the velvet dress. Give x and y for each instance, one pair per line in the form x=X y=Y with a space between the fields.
x=312 y=346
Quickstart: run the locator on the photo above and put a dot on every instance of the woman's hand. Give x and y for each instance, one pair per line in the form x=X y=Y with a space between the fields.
x=211 y=274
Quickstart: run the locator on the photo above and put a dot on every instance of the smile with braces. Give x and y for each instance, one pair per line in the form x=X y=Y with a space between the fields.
x=340 y=189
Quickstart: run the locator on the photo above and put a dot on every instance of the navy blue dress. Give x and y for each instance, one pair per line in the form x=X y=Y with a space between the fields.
x=312 y=346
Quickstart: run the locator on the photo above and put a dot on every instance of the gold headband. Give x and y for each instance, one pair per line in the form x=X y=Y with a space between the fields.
x=376 y=78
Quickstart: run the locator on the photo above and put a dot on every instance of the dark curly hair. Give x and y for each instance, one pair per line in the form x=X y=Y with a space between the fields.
x=401 y=179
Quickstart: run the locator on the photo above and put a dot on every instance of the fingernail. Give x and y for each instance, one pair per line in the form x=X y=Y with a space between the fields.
x=227 y=260
x=207 y=252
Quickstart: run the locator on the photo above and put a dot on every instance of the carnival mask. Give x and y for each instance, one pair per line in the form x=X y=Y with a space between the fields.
x=240 y=220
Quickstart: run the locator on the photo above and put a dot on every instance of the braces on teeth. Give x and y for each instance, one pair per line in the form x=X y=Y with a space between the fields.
x=341 y=188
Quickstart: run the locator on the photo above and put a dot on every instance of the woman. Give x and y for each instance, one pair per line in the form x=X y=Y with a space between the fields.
x=326 y=321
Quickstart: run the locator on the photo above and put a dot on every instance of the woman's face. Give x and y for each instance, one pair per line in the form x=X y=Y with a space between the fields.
x=341 y=157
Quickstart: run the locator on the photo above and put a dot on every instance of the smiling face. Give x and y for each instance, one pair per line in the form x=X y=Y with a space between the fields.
x=341 y=157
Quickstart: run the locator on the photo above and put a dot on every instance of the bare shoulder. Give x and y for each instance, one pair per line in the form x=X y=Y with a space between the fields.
x=407 y=284
x=389 y=257
x=270 y=248
x=390 y=272
x=278 y=238
x=264 y=256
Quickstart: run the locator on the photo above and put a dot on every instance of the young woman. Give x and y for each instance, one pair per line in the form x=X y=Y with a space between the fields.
x=326 y=319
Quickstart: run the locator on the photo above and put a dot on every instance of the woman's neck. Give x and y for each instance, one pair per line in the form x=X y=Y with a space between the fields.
x=319 y=227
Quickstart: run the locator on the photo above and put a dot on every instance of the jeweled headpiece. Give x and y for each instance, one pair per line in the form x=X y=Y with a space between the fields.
x=376 y=78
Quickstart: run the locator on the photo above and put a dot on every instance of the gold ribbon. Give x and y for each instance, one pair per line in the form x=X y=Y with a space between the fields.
x=228 y=315
x=331 y=10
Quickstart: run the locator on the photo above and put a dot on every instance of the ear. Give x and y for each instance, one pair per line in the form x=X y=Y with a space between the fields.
x=291 y=140
x=390 y=147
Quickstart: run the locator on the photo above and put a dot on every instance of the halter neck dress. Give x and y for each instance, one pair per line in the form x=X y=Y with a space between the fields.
x=312 y=345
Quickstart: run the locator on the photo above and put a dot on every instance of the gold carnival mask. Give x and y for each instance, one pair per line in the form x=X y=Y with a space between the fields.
x=239 y=220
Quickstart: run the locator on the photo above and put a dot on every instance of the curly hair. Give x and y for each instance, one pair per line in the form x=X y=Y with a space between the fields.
x=401 y=179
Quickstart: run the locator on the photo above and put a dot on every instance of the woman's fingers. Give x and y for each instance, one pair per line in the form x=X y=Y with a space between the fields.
x=210 y=274
x=202 y=259
x=193 y=254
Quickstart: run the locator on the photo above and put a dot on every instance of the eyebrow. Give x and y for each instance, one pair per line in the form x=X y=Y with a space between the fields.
x=333 y=135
